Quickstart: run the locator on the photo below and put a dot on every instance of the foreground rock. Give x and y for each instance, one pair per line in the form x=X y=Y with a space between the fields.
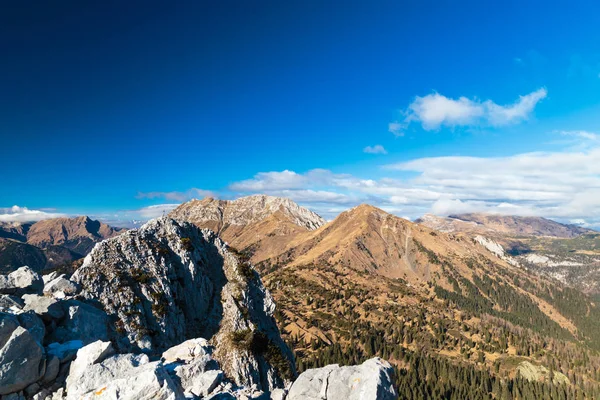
x=170 y=281
x=123 y=376
x=21 y=356
x=23 y=280
x=372 y=380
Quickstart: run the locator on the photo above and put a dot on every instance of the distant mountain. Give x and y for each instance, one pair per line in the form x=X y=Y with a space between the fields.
x=14 y=230
x=15 y=254
x=502 y=224
x=568 y=253
x=264 y=224
x=49 y=243
x=78 y=234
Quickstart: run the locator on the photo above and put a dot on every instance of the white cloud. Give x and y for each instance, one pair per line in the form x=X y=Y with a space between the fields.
x=377 y=149
x=24 y=214
x=155 y=211
x=585 y=135
x=435 y=111
x=396 y=128
x=177 y=196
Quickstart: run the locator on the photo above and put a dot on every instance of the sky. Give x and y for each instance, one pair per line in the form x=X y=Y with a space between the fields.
x=122 y=110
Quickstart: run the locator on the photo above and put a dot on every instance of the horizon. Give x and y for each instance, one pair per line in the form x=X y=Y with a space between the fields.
x=124 y=111
x=26 y=216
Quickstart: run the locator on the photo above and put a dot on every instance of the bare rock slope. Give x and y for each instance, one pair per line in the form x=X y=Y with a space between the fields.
x=260 y=225
x=170 y=281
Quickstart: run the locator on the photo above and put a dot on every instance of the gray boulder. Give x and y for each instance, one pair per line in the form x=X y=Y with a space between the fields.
x=81 y=322
x=21 y=360
x=9 y=303
x=46 y=307
x=23 y=280
x=87 y=356
x=372 y=380
x=52 y=369
x=8 y=324
x=30 y=321
x=197 y=381
x=125 y=377
x=60 y=287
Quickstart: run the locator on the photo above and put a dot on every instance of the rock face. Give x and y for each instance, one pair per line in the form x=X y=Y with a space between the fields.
x=372 y=380
x=170 y=281
x=122 y=376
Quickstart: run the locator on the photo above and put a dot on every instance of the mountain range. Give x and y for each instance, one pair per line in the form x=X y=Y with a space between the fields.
x=440 y=298
x=451 y=292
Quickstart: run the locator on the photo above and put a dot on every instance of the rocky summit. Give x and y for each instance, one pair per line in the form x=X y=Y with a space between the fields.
x=167 y=311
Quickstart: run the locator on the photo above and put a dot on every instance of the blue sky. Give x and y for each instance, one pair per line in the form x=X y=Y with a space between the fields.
x=109 y=108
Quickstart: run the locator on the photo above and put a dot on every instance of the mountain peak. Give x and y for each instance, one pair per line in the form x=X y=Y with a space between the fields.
x=245 y=210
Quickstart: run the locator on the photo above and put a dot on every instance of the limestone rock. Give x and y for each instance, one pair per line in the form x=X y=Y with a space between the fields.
x=123 y=377
x=81 y=322
x=21 y=361
x=10 y=303
x=278 y=394
x=170 y=281
x=60 y=287
x=372 y=380
x=46 y=307
x=86 y=356
x=49 y=277
x=23 y=280
x=187 y=351
x=52 y=368
x=8 y=324
x=30 y=321
x=196 y=381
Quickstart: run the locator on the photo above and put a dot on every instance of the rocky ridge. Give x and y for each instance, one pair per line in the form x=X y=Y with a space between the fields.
x=163 y=312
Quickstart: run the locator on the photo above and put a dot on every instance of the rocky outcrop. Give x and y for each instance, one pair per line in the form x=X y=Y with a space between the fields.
x=372 y=380
x=170 y=281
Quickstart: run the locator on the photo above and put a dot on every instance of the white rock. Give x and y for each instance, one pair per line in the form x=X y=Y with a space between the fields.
x=372 y=380
x=86 y=356
x=21 y=361
x=124 y=377
x=187 y=351
x=60 y=286
x=23 y=280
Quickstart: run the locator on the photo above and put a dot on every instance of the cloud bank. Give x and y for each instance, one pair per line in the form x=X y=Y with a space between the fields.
x=24 y=214
x=560 y=185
